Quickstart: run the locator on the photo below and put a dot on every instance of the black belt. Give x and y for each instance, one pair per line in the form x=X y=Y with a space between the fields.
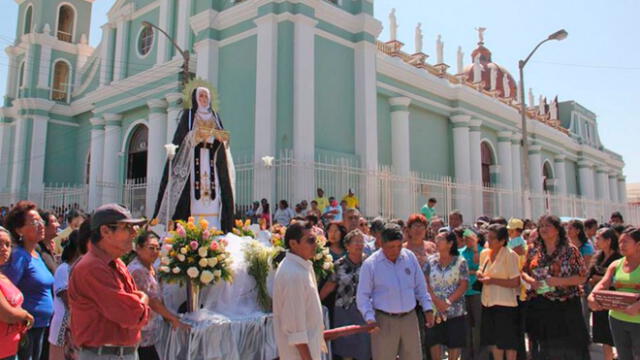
x=395 y=314
x=111 y=350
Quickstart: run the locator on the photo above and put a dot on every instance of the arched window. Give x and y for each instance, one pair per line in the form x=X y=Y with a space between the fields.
x=61 y=76
x=21 y=76
x=486 y=155
x=66 y=18
x=547 y=174
x=28 y=16
x=137 y=154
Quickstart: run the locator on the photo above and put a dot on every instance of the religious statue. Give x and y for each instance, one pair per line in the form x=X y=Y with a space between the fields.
x=418 y=39
x=506 y=89
x=532 y=102
x=202 y=173
x=460 y=60
x=553 y=109
x=440 y=50
x=542 y=106
x=477 y=69
x=481 y=31
x=393 y=25
x=493 y=77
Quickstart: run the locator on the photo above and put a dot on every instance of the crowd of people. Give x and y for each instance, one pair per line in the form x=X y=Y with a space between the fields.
x=496 y=288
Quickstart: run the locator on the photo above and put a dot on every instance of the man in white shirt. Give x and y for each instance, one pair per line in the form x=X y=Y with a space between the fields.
x=297 y=311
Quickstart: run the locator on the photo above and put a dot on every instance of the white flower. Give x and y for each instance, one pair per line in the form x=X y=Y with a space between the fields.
x=176 y=270
x=181 y=257
x=325 y=251
x=164 y=269
x=326 y=266
x=217 y=273
x=220 y=257
x=193 y=272
x=165 y=260
x=319 y=256
x=183 y=250
x=203 y=263
x=203 y=251
x=206 y=277
x=212 y=261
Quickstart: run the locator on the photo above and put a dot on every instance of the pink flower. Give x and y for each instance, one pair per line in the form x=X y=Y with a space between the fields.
x=181 y=231
x=224 y=242
x=214 y=246
x=168 y=247
x=194 y=245
x=206 y=234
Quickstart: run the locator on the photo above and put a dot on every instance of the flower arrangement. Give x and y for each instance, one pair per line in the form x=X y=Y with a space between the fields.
x=193 y=253
x=258 y=258
x=242 y=229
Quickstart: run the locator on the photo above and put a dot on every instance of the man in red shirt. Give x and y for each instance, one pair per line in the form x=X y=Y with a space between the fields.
x=107 y=310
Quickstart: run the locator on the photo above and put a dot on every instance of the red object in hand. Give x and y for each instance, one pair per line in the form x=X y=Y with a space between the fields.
x=346 y=331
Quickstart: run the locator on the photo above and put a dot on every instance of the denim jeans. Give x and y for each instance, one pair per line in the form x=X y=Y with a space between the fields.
x=34 y=349
x=626 y=337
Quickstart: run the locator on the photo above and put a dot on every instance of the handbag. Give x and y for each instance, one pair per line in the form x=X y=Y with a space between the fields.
x=477 y=286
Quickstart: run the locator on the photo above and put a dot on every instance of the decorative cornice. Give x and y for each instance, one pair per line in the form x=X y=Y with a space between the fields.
x=400 y=101
x=460 y=120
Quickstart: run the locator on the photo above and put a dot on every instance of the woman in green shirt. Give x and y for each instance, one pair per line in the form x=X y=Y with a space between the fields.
x=624 y=275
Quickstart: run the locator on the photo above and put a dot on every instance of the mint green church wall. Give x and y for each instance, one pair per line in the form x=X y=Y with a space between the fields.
x=61 y=155
x=429 y=138
x=142 y=3
x=237 y=91
x=571 y=173
x=490 y=135
x=334 y=93
x=137 y=62
x=384 y=130
x=284 y=97
x=46 y=12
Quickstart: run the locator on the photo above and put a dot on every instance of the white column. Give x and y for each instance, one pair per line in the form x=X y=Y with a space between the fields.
x=535 y=179
x=4 y=155
x=29 y=61
x=110 y=170
x=184 y=25
x=155 y=151
x=173 y=112
x=163 y=23
x=45 y=67
x=400 y=155
x=622 y=188
x=207 y=66
x=366 y=123
x=266 y=106
x=506 y=173
x=19 y=150
x=105 y=60
x=560 y=168
x=37 y=158
x=602 y=183
x=12 y=76
x=475 y=166
x=585 y=178
x=516 y=179
x=304 y=106
x=613 y=187
x=461 y=159
x=95 y=167
x=119 y=61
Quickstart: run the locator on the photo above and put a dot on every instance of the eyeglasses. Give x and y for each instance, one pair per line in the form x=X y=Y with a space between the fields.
x=125 y=227
x=37 y=223
x=310 y=240
x=153 y=248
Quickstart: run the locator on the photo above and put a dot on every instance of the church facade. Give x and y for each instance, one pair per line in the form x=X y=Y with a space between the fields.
x=311 y=96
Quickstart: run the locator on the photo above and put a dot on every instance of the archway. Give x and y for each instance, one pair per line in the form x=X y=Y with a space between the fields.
x=489 y=196
x=66 y=20
x=137 y=154
x=548 y=180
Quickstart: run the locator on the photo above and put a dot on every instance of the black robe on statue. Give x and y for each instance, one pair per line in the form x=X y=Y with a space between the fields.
x=183 y=205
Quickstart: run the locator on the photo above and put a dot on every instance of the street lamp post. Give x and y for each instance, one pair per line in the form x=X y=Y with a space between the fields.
x=185 y=53
x=558 y=35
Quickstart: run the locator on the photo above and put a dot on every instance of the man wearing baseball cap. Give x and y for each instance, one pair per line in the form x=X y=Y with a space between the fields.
x=108 y=310
x=516 y=242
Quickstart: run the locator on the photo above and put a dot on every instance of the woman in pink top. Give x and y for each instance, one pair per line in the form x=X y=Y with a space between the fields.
x=13 y=319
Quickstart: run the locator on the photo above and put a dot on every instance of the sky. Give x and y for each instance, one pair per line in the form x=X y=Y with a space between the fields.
x=597 y=65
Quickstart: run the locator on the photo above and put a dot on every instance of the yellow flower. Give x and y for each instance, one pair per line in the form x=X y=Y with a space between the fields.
x=204 y=224
x=191 y=220
x=247 y=223
x=191 y=260
x=238 y=223
x=172 y=254
x=191 y=226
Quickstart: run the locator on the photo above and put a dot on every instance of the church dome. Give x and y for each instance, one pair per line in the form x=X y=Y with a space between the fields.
x=505 y=85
